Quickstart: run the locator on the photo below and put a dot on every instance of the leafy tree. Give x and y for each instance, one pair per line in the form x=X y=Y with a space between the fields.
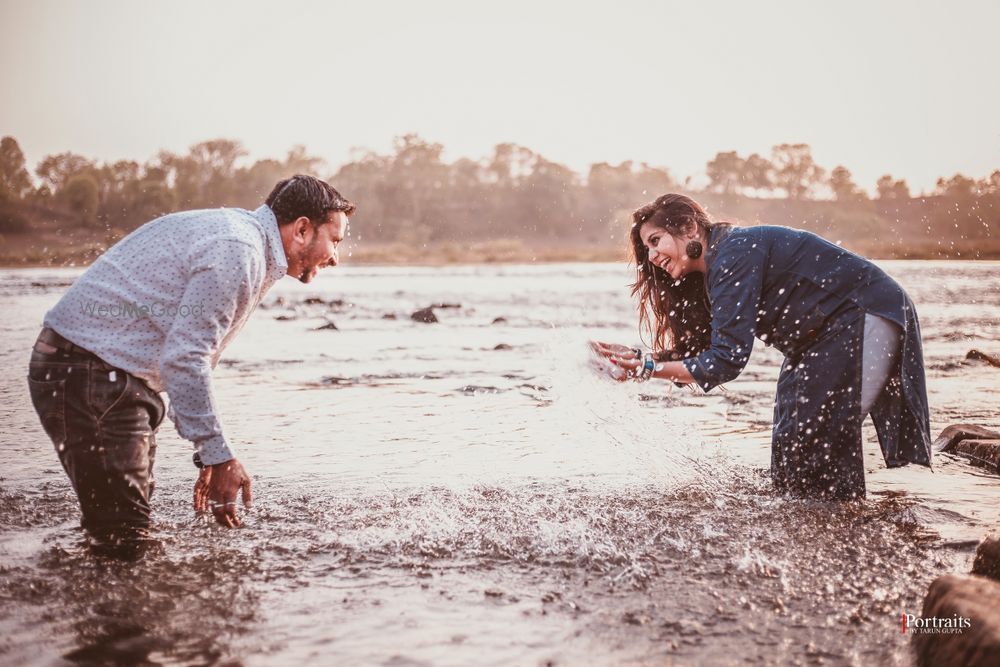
x=991 y=184
x=843 y=186
x=889 y=188
x=15 y=182
x=548 y=197
x=757 y=173
x=80 y=195
x=204 y=177
x=724 y=172
x=55 y=171
x=12 y=220
x=510 y=164
x=957 y=187
x=795 y=171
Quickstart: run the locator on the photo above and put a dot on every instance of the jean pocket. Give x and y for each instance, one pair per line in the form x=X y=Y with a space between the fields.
x=106 y=388
x=49 y=399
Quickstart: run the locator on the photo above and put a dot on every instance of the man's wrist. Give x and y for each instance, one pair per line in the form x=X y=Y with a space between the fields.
x=214 y=451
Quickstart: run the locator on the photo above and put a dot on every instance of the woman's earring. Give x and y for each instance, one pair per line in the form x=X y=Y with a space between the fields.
x=693 y=249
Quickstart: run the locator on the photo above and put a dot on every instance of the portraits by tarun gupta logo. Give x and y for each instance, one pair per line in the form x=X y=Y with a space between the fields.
x=934 y=625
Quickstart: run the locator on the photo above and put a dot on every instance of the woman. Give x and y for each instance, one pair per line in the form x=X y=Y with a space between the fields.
x=848 y=331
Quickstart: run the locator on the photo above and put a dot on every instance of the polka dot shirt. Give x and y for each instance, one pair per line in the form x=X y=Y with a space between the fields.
x=165 y=301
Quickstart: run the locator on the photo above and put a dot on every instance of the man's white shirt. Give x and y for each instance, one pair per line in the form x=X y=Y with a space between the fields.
x=166 y=300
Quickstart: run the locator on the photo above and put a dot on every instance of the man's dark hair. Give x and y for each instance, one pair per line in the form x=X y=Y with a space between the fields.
x=307 y=196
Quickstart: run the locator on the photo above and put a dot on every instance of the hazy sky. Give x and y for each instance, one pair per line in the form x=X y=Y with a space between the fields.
x=907 y=87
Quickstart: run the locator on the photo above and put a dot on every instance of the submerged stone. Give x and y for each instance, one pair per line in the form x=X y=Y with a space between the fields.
x=982 y=356
x=955 y=433
x=425 y=315
x=987 y=563
x=982 y=453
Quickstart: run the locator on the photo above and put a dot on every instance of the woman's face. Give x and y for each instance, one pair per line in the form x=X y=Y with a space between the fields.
x=667 y=251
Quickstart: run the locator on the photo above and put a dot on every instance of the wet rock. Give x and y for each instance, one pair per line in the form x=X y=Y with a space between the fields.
x=329 y=326
x=982 y=356
x=285 y=318
x=121 y=646
x=493 y=593
x=987 y=563
x=499 y=320
x=955 y=433
x=314 y=301
x=958 y=597
x=425 y=315
x=982 y=453
x=503 y=346
x=446 y=305
x=635 y=618
x=389 y=316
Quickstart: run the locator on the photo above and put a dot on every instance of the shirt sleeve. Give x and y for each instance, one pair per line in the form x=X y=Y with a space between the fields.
x=735 y=293
x=219 y=292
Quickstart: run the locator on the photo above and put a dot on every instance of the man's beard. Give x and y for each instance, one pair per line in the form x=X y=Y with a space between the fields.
x=307 y=271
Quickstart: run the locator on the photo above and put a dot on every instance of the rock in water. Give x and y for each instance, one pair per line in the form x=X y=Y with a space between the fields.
x=982 y=356
x=960 y=597
x=955 y=433
x=425 y=315
x=982 y=453
x=987 y=563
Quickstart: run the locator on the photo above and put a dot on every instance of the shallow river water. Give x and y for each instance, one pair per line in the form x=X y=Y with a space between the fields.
x=471 y=492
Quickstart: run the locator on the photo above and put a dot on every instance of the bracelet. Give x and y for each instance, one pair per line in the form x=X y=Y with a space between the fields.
x=647 y=369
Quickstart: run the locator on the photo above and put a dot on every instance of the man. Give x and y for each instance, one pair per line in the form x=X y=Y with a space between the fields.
x=153 y=314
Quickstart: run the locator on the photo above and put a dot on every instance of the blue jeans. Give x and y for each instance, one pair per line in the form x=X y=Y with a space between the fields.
x=103 y=424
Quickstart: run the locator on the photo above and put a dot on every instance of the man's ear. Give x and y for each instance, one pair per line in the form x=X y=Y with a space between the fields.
x=302 y=229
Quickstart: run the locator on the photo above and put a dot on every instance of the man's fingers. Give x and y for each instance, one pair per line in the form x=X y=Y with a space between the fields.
x=201 y=490
x=201 y=497
x=225 y=514
x=221 y=517
x=247 y=495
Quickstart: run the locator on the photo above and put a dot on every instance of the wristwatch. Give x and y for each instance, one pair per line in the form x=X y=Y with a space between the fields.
x=197 y=460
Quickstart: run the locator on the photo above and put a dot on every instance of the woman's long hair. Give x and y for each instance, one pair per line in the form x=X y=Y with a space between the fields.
x=675 y=313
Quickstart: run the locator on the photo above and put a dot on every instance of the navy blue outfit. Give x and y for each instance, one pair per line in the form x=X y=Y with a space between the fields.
x=808 y=298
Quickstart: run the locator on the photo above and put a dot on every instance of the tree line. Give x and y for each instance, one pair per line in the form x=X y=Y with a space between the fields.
x=412 y=195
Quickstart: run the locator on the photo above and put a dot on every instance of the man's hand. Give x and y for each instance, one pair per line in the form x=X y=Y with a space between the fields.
x=216 y=489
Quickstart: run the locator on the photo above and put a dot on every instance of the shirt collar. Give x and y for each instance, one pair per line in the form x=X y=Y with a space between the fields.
x=715 y=236
x=277 y=263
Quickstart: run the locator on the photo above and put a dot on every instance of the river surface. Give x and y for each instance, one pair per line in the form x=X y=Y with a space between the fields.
x=472 y=492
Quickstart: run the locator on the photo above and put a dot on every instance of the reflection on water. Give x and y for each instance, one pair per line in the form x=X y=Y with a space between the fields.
x=469 y=492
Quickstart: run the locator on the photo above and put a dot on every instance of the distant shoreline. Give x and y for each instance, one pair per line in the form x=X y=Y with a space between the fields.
x=504 y=251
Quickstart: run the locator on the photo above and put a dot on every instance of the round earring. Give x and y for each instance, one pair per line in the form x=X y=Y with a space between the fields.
x=693 y=249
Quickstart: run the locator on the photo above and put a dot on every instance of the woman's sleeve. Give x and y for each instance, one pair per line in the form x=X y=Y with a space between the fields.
x=735 y=293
